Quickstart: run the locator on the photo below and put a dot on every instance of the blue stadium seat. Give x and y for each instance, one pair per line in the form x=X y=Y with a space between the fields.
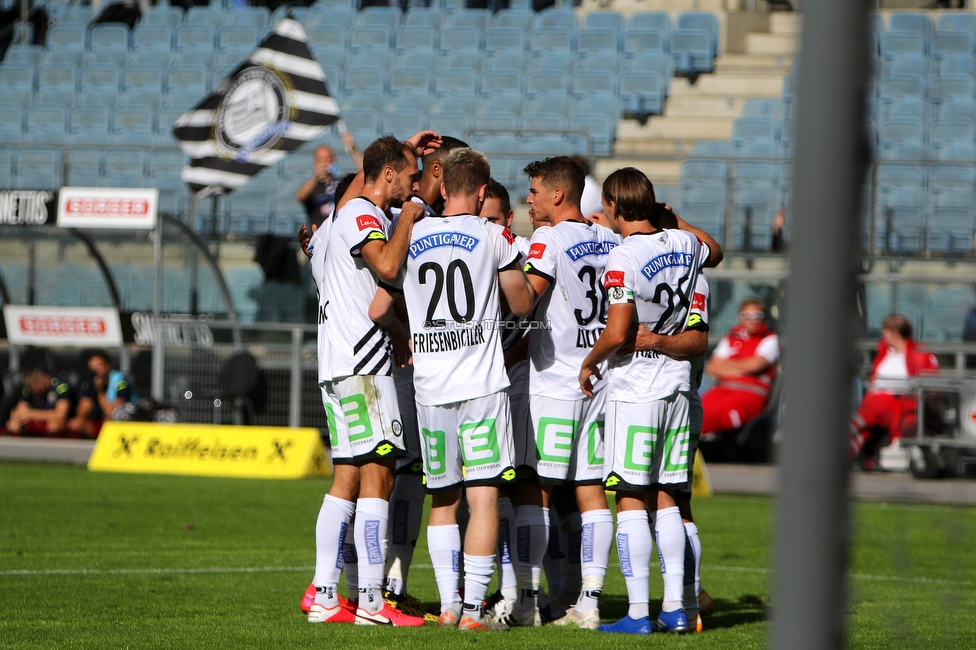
x=905 y=107
x=460 y=39
x=105 y=78
x=751 y=129
x=917 y=23
x=108 y=36
x=195 y=38
x=11 y=123
x=18 y=53
x=455 y=82
x=152 y=38
x=903 y=44
x=378 y=15
x=88 y=124
x=404 y=123
x=763 y=107
x=369 y=38
x=465 y=103
x=363 y=124
x=418 y=37
x=376 y=103
x=638 y=41
x=498 y=40
x=543 y=122
x=409 y=81
x=470 y=60
x=165 y=162
x=952 y=86
x=509 y=61
x=46 y=123
x=952 y=44
x=454 y=123
x=126 y=167
x=550 y=39
x=607 y=63
x=556 y=17
x=593 y=83
x=546 y=83
x=162 y=15
x=549 y=104
x=326 y=38
x=958 y=22
x=187 y=79
x=700 y=20
x=951 y=230
x=609 y=106
x=165 y=118
x=366 y=80
x=642 y=92
x=710 y=217
x=908 y=64
x=57 y=76
x=38 y=168
x=66 y=37
x=501 y=82
x=692 y=50
x=951 y=186
x=212 y=16
x=413 y=101
x=119 y=58
x=944 y=133
x=84 y=166
x=133 y=125
x=663 y=64
x=613 y=20
x=6 y=165
x=251 y=16
x=499 y=103
x=652 y=20
x=478 y=19
x=501 y=120
x=902 y=86
x=562 y=61
x=237 y=38
x=900 y=138
x=590 y=42
x=417 y=59
x=423 y=16
x=513 y=18
x=16 y=76
x=601 y=129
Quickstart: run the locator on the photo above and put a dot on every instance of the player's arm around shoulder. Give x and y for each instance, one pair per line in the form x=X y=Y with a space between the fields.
x=386 y=256
x=515 y=286
x=715 y=253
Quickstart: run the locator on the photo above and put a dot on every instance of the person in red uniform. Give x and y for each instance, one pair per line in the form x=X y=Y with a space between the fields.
x=888 y=408
x=744 y=364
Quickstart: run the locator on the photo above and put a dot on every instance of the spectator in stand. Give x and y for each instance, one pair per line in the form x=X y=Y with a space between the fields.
x=778 y=243
x=318 y=193
x=103 y=390
x=43 y=407
x=888 y=408
x=744 y=364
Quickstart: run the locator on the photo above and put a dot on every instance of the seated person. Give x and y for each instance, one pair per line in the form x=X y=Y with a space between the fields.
x=102 y=391
x=43 y=406
x=744 y=364
x=888 y=409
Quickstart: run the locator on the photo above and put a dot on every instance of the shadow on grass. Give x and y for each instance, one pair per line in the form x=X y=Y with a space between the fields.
x=748 y=608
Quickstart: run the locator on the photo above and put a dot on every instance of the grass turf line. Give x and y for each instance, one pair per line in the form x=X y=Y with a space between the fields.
x=93 y=560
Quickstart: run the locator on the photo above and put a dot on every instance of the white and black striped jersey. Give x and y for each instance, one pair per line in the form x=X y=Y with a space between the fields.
x=355 y=345
x=451 y=290
x=571 y=255
x=657 y=272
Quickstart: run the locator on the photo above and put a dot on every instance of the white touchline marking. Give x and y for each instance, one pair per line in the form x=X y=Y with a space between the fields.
x=295 y=569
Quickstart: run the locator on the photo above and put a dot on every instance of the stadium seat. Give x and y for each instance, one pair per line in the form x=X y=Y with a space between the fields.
x=478 y=19
x=900 y=137
x=38 y=168
x=562 y=61
x=413 y=101
x=951 y=231
x=133 y=125
x=556 y=17
x=958 y=22
x=500 y=103
x=409 y=81
x=902 y=86
x=514 y=18
x=642 y=93
x=118 y=58
x=550 y=39
x=417 y=59
x=187 y=79
x=455 y=82
x=11 y=123
x=84 y=166
x=104 y=78
x=326 y=38
x=952 y=186
x=908 y=64
x=466 y=103
x=363 y=124
x=368 y=38
x=593 y=83
x=692 y=51
x=237 y=38
x=379 y=15
x=366 y=80
x=66 y=37
x=549 y=104
x=152 y=38
x=951 y=86
x=651 y=20
x=498 y=40
x=905 y=107
x=943 y=133
x=590 y=42
x=751 y=129
x=638 y=41
x=541 y=83
x=19 y=53
x=404 y=123
x=377 y=103
x=16 y=76
x=423 y=17
x=496 y=120
x=543 y=122
x=46 y=123
x=501 y=82
x=421 y=37
x=212 y=16
x=707 y=216
x=910 y=22
x=663 y=64
x=952 y=44
x=459 y=39
x=195 y=37
x=88 y=124
x=108 y=36
x=903 y=44
x=608 y=63
x=700 y=20
x=124 y=166
x=454 y=123
x=600 y=127
x=162 y=15
x=471 y=60
x=250 y=16
x=57 y=76
x=612 y=20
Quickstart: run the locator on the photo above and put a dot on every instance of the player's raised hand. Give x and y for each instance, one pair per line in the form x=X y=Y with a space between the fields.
x=424 y=142
x=412 y=211
x=304 y=236
x=586 y=381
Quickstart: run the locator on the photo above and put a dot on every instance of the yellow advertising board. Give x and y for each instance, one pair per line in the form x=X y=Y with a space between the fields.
x=209 y=450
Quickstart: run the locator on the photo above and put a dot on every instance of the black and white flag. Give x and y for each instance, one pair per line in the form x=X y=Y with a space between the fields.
x=270 y=105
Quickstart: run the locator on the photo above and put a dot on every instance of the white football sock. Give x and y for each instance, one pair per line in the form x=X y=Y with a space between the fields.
x=371 y=523
x=444 y=546
x=595 y=541
x=477 y=575
x=570 y=533
x=506 y=569
x=669 y=532
x=406 y=513
x=693 y=552
x=350 y=565
x=531 y=542
x=634 y=549
x=330 y=533
x=553 y=558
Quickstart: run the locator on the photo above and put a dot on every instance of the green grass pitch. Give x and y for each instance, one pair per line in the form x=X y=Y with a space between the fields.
x=90 y=560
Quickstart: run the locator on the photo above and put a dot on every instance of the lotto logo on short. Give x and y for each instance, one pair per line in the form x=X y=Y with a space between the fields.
x=367 y=221
x=536 y=251
x=613 y=279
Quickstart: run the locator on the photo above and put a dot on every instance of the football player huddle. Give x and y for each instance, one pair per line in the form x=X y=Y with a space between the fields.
x=516 y=382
